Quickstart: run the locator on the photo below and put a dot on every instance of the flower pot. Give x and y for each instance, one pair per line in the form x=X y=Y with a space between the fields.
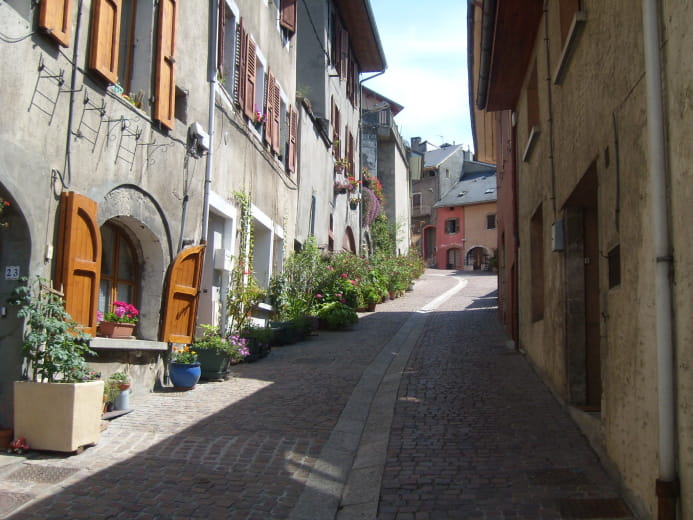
x=58 y=416
x=370 y=307
x=214 y=365
x=122 y=401
x=111 y=329
x=184 y=376
x=353 y=205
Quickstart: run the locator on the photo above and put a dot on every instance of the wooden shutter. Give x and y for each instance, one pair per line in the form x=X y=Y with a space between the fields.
x=293 y=137
x=241 y=64
x=270 y=109
x=350 y=152
x=181 y=295
x=55 y=17
x=165 y=85
x=276 y=124
x=78 y=264
x=105 y=35
x=288 y=14
x=221 y=37
x=250 y=71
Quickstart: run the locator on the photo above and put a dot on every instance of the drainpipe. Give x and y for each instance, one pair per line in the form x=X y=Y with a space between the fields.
x=667 y=483
x=214 y=47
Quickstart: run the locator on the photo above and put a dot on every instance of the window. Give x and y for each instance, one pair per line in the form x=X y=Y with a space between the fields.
x=451 y=226
x=491 y=221
x=121 y=50
x=119 y=269
x=227 y=48
x=416 y=202
x=335 y=119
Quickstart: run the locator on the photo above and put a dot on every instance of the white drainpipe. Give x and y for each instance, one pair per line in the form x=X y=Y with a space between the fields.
x=666 y=486
x=214 y=46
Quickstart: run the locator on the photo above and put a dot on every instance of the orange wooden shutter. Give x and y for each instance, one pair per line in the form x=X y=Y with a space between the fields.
x=241 y=64
x=288 y=14
x=78 y=265
x=270 y=109
x=165 y=86
x=351 y=168
x=181 y=296
x=105 y=35
x=55 y=17
x=221 y=37
x=293 y=135
x=250 y=70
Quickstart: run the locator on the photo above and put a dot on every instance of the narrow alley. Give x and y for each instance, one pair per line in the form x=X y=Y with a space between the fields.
x=419 y=412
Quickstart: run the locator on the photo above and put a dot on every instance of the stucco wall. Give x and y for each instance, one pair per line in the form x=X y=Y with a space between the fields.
x=608 y=135
x=475 y=227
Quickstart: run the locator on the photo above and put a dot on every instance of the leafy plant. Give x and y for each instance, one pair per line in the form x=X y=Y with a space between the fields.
x=185 y=355
x=232 y=346
x=120 y=378
x=110 y=391
x=54 y=343
x=244 y=293
x=337 y=315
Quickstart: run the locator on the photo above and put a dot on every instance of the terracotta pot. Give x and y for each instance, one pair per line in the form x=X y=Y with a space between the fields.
x=111 y=329
x=371 y=307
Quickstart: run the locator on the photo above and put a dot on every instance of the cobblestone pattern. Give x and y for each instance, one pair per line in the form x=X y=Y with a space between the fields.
x=239 y=449
x=476 y=434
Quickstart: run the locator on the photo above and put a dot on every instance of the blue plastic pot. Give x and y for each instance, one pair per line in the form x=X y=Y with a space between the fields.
x=185 y=375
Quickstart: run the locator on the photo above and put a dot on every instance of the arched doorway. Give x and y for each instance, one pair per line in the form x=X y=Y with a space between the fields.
x=15 y=256
x=477 y=259
x=349 y=244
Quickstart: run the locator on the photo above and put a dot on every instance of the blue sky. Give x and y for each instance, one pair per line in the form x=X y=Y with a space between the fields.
x=425 y=45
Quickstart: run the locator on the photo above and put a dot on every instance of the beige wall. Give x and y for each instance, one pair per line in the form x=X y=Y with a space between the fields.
x=599 y=121
x=475 y=229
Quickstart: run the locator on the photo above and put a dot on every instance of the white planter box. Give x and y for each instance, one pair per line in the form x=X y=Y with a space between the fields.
x=58 y=416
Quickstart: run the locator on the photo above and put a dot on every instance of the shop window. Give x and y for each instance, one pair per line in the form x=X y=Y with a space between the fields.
x=119 y=268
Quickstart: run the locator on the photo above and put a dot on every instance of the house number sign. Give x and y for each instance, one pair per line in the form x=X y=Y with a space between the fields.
x=11 y=272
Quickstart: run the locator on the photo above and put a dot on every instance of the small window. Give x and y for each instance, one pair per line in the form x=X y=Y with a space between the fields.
x=416 y=201
x=228 y=42
x=491 y=221
x=451 y=226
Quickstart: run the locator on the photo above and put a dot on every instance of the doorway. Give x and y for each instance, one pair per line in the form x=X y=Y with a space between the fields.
x=583 y=339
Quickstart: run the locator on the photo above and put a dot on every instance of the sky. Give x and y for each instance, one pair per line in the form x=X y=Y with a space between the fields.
x=425 y=45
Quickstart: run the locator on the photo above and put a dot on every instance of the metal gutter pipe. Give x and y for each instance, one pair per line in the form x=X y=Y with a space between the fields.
x=488 y=20
x=666 y=485
x=214 y=48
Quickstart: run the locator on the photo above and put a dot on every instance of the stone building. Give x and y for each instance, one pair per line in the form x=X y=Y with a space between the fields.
x=592 y=126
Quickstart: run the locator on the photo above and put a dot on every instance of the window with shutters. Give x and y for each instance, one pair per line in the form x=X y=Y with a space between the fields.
x=119 y=268
x=122 y=51
x=227 y=57
x=336 y=131
x=286 y=19
x=452 y=226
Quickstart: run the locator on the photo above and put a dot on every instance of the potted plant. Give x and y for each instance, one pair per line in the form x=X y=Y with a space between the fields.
x=119 y=322
x=216 y=352
x=337 y=315
x=110 y=394
x=258 y=342
x=4 y=205
x=122 y=383
x=184 y=368
x=59 y=406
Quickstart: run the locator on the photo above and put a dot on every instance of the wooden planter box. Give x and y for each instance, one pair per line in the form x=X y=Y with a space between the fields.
x=58 y=416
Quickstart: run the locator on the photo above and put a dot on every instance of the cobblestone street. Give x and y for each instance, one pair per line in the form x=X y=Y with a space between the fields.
x=419 y=412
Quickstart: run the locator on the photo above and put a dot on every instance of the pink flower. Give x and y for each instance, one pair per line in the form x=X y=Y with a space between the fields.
x=344 y=275
x=343 y=300
x=330 y=268
x=352 y=282
x=338 y=295
x=318 y=296
x=99 y=316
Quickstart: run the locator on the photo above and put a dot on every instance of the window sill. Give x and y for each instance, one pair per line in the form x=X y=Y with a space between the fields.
x=531 y=140
x=576 y=28
x=127 y=344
